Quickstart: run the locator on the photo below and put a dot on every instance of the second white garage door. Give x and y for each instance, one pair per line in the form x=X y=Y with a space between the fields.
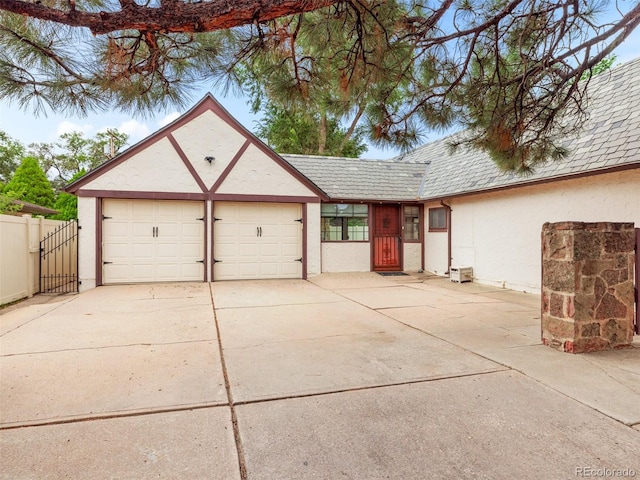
x=257 y=240
x=152 y=241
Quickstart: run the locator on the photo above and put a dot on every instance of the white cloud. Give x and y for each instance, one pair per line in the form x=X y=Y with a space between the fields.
x=69 y=127
x=168 y=119
x=135 y=129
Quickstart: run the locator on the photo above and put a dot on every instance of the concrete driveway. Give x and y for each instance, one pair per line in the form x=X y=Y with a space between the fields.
x=343 y=376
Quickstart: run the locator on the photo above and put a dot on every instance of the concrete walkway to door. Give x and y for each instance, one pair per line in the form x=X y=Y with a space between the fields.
x=342 y=376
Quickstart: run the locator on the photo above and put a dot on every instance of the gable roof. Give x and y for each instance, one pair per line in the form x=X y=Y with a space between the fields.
x=31 y=208
x=609 y=140
x=207 y=103
x=359 y=179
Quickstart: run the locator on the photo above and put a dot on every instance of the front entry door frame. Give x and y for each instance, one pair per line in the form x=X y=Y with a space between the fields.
x=386 y=249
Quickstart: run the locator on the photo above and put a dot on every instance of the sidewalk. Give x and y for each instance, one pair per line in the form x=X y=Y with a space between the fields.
x=343 y=376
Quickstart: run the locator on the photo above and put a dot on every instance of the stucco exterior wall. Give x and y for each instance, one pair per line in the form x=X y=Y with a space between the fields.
x=257 y=174
x=87 y=243
x=346 y=256
x=412 y=260
x=158 y=168
x=435 y=245
x=498 y=234
x=209 y=136
x=313 y=240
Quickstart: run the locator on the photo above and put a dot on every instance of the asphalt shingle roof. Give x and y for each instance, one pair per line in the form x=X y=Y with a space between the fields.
x=358 y=179
x=609 y=138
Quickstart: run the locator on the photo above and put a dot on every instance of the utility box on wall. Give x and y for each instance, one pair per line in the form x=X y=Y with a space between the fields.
x=461 y=274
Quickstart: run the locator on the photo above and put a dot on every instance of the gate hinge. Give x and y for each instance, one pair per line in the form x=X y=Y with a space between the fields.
x=216 y=261
x=106 y=218
x=201 y=218
x=298 y=259
x=216 y=219
x=298 y=220
x=105 y=263
x=199 y=261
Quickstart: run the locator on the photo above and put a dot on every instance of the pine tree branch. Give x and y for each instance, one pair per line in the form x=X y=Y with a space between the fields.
x=173 y=16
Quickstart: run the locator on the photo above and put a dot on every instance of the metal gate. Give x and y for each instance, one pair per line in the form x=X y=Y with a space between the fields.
x=59 y=260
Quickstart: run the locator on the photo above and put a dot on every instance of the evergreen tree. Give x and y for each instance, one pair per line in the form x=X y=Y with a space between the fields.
x=30 y=184
x=288 y=132
x=67 y=204
x=11 y=151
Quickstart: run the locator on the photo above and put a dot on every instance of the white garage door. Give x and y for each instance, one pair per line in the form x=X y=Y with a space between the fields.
x=152 y=241
x=257 y=240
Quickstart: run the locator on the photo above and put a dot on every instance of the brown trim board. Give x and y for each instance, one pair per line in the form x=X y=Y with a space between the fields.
x=98 y=246
x=225 y=173
x=233 y=197
x=305 y=232
x=206 y=104
x=186 y=162
x=142 y=195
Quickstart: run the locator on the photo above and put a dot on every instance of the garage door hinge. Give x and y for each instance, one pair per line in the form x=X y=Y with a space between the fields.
x=105 y=218
x=216 y=219
x=105 y=263
x=298 y=259
x=299 y=220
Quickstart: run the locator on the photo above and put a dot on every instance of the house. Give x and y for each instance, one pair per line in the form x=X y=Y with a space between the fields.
x=30 y=209
x=203 y=199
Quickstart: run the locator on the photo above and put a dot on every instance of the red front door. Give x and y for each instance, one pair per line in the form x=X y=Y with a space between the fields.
x=386 y=238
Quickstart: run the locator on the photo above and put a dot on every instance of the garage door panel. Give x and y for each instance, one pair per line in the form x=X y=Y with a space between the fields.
x=256 y=240
x=152 y=240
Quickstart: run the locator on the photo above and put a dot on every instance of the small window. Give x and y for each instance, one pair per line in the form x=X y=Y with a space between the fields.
x=411 y=223
x=344 y=222
x=437 y=219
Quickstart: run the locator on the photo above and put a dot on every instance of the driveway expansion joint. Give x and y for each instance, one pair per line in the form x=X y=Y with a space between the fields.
x=227 y=384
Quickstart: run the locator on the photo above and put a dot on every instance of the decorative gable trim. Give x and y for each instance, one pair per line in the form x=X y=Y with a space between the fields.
x=208 y=103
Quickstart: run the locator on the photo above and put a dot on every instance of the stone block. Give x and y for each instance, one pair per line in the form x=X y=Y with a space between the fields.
x=587 y=245
x=586 y=284
x=585 y=306
x=611 y=277
x=590 y=330
x=617 y=242
x=610 y=307
x=558 y=327
x=559 y=275
x=556 y=308
x=592 y=344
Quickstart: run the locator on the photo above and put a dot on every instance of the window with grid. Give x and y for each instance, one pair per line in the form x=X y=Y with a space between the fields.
x=438 y=219
x=411 y=217
x=344 y=222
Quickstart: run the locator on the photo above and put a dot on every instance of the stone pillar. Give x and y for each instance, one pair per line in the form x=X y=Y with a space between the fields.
x=587 y=285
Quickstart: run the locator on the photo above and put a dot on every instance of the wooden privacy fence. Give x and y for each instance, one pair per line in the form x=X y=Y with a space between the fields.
x=20 y=255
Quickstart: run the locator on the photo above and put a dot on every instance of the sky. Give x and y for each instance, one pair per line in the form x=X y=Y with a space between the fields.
x=23 y=126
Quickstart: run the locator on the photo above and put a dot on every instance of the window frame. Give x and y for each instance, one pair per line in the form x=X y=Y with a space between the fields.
x=446 y=222
x=345 y=223
x=418 y=227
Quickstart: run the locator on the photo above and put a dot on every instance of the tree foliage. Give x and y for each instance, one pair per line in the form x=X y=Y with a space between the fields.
x=413 y=65
x=11 y=153
x=30 y=184
x=67 y=204
x=73 y=153
x=289 y=132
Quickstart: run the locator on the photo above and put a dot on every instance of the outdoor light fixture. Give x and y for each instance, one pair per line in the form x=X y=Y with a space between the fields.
x=209 y=159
